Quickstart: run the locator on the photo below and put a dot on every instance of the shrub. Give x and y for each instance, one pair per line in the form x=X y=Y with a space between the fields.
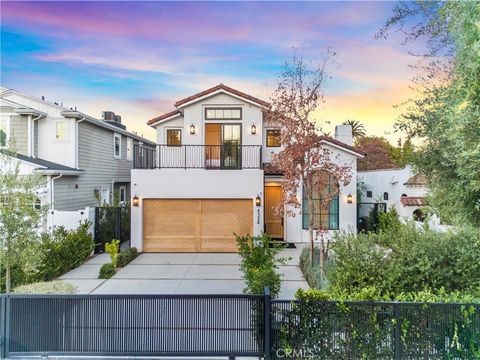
x=61 y=251
x=106 y=271
x=48 y=287
x=112 y=249
x=402 y=259
x=126 y=256
x=259 y=263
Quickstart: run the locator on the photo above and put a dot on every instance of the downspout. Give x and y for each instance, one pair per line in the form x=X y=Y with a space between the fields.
x=76 y=141
x=52 y=188
x=30 y=136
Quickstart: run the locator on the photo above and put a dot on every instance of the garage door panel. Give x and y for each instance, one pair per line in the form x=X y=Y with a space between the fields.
x=195 y=225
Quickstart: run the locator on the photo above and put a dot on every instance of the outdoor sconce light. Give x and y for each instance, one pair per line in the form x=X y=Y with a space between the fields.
x=192 y=129
x=135 y=201
x=258 y=201
x=253 y=129
x=349 y=198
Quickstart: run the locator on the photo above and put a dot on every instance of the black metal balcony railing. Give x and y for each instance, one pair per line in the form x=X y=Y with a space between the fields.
x=227 y=156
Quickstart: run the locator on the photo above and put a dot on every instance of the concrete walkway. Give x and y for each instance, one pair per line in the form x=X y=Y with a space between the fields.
x=192 y=273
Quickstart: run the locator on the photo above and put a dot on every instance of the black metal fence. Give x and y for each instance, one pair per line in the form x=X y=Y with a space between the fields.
x=374 y=330
x=235 y=325
x=367 y=215
x=111 y=222
x=227 y=156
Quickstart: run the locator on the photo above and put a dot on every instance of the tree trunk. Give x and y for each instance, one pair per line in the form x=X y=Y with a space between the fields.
x=7 y=276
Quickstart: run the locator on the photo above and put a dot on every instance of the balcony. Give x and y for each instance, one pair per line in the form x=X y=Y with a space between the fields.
x=217 y=157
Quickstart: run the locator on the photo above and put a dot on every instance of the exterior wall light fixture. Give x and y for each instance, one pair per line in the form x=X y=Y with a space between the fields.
x=253 y=129
x=349 y=198
x=135 y=201
x=192 y=129
x=258 y=201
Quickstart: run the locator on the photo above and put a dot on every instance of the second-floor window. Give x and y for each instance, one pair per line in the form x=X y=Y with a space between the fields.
x=61 y=130
x=174 y=137
x=223 y=114
x=273 y=138
x=117 y=146
x=130 y=149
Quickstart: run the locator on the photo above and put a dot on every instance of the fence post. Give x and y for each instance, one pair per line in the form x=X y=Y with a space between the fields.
x=397 y=344
x=118 y=224
x=2 y=326
x=96 y=230
x=266 y=323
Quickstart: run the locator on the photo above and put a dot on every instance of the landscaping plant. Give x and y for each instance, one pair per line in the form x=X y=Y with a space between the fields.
x=48 y=287
x=260 y=263
x=106 y=271
x=126 y=256
x=112 y=249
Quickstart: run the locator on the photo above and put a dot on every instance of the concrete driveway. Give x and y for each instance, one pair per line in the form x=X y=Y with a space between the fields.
x=175 y=273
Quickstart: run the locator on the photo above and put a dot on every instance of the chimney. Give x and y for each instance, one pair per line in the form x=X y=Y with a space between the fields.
x=343 y=133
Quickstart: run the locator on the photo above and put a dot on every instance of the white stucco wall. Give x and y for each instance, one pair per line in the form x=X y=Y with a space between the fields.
x=194 y=184
x=347 y=212
x=390 y=181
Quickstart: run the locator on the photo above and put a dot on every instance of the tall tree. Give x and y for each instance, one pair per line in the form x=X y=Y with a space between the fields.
x=19 y=217
x=446 y=115
x=358 y=130
x=305 y=163
x=378 y=151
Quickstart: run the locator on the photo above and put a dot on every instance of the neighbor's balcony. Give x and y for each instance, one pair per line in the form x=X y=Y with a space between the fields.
x=218 y=157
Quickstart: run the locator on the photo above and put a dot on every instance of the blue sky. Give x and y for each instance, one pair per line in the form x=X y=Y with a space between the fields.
x=137 y=58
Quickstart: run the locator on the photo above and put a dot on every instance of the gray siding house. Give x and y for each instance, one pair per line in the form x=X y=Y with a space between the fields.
x=85 y=160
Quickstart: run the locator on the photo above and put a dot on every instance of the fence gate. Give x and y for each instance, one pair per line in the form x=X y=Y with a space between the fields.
x=133 y=325
x=111 y=222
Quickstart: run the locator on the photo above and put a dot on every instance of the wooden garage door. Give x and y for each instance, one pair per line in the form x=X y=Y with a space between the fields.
x=195 y=225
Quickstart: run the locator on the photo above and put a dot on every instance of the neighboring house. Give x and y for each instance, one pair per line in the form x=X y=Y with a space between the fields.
x=209 y=177
x=399 y=188
x=82 y=158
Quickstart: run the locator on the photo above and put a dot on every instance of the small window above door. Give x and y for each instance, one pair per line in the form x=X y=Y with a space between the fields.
x=223 y=114
x=174 y=137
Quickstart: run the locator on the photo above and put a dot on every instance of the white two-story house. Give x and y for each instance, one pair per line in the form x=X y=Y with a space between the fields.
x=208 y=178
x=84 y=160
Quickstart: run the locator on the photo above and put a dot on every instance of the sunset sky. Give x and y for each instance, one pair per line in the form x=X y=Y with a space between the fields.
x=138 y=58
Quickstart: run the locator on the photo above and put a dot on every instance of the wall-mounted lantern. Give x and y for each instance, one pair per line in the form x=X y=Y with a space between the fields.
x=349 y=198
x=135 y=201
x=192 y=129
x=253 y=129
x=258 y=201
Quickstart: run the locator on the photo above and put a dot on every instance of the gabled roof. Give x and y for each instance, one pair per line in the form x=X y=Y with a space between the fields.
x=221 y=88
x=414 y=201
x=338 y=143
x=416 y=180
x=163 y=117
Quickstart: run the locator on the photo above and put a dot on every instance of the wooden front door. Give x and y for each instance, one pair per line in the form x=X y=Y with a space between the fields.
x=273 y=223
x=195 y=225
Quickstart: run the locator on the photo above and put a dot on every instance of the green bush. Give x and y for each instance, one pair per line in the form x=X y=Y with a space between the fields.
x=260 y=264
x=61 y=251
x=126 y=256
x=106 y=271
x=402 y=259
x=48 y=287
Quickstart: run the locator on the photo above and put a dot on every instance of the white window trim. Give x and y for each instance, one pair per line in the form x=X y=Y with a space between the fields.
x=124 y=188
x=7 y=132
x=66 y=130
x=130 y=154
x=119 y=156
x=173 y=128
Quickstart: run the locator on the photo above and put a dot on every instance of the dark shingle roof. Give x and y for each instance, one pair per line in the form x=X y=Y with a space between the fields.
x=45 y=164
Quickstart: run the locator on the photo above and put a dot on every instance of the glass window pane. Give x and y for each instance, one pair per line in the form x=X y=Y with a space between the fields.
x=174 y=137
x=236 y=114
x=273 y=138
x=61 y=131
x=3 y=132
x=210 y=113
x=117 y=145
